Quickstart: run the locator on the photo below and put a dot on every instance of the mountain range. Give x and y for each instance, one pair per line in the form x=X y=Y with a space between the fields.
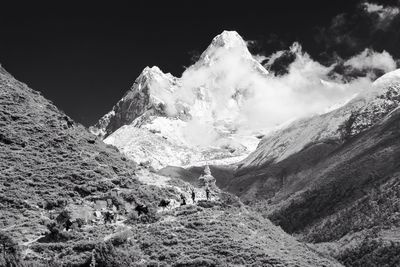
x=186 y=121
x=58 y=182
x=319 y=190
x=309 y=176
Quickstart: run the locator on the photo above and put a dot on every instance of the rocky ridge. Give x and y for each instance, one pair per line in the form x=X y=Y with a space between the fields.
x=171 y=111
x=338 y=125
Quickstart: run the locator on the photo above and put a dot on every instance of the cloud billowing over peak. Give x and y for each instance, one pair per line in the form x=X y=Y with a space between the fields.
x=237 y=90
x=367 y=63
x=384 y=15
x=229 y=87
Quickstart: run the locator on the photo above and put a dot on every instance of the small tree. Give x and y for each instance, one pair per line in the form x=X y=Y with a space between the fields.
x=10 y=254
x=105 y=255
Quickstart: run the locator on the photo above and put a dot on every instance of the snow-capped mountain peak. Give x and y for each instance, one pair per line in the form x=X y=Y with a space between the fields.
x=166 y=120
x=227 y=40
x=388 y=78
x=154 y=74
x=149 y=92
x=228 y=44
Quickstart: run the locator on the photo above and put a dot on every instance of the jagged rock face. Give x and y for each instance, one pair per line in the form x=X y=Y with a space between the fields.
x=229 y=42
x=279 y=62
x=365 y=117
x=137 y=101
x=153 y=90
x=182 y=120
x=338 y=125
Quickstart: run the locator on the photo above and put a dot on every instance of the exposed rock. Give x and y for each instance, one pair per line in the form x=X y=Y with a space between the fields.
x=163 y=120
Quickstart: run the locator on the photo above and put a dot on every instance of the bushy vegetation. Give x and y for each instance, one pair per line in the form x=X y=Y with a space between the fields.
x=217 y=236
x=48 y=162
x=380 y=209
x=371 y=253
x=150 y=217
x=10 y=254
x=105 y=254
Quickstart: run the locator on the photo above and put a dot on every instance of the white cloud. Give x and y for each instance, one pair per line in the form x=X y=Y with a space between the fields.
x=372 y=8
x=371 y=59
x=385 y=14
x=230 y=87
x=260 y=58
x=299 y=93
x=263 y=102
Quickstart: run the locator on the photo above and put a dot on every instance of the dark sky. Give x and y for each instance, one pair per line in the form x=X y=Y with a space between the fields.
x=84 y=57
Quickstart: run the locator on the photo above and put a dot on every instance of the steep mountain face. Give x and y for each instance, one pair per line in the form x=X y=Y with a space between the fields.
x=59 y=185
x=224 y=45
x=280 y=61
x=350 y=194
x=163 y=120
x=294 y=150
x=144 y=96
x=333 y=178
x=336 y=126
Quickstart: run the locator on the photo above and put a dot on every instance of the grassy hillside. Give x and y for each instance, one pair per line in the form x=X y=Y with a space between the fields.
x=53 y=171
